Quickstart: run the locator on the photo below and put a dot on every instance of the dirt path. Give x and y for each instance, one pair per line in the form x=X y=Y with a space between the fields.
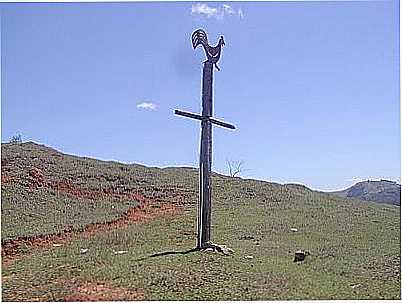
x=14 y=249
x=81 y=290
x=101 y=291
x=147 y=210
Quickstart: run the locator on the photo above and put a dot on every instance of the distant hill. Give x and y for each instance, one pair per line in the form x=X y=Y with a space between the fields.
x=383 y=191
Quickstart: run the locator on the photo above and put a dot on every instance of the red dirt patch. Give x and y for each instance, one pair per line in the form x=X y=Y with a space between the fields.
x=144 y=212
x=5 y=179
x=37 y=175
x=36 y=179
x=71 y=189
x=102 y=291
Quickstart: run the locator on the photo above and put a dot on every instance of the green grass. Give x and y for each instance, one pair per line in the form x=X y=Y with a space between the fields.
x=347 y=248
x=46 y=211
x=354 y=246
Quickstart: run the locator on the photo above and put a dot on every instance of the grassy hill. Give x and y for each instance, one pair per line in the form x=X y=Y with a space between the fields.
x=382 y=191
x=76 y=228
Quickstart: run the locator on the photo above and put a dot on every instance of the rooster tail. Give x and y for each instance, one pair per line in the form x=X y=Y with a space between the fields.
x=199 y=37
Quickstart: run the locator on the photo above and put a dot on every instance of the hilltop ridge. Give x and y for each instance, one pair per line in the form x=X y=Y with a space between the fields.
x=383 y=191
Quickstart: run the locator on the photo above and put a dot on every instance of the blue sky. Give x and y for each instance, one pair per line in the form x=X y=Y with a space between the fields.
x=312 y=87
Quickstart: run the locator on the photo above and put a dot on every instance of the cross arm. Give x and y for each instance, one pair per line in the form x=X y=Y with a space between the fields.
x=199 y=117
x=188 y=115
x=223 y=124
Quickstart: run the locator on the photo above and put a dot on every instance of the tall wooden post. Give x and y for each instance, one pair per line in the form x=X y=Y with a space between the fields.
x=204 y=227
x=204 y=207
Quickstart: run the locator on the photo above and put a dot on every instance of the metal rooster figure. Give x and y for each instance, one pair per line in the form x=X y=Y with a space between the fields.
x=213 y=52
x=204 y=210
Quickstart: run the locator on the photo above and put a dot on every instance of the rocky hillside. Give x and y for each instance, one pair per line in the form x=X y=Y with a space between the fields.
x=383 y=191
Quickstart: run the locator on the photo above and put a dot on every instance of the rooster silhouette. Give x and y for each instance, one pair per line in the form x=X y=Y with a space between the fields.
x=213 y=52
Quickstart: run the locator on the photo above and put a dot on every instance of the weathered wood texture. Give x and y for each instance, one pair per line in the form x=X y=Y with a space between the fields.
x=220 y=123
x=199 y=117
x=204 y=221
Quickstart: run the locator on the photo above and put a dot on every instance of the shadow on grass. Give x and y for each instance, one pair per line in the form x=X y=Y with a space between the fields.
x=166 y=253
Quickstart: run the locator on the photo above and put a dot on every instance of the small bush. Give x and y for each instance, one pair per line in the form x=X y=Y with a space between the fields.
x=16 y=139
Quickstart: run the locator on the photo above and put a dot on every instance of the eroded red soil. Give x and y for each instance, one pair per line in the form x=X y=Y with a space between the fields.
x=101 y=291
x=147 y=209
x=5 y=179
x=14 y=249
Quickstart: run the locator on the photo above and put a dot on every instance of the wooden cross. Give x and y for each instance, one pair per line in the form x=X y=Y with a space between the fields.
x=204 y=208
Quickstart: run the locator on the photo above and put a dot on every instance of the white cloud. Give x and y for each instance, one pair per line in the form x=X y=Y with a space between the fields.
x=147 y=105
x=240 y=13
x=228 y=9
x=205 y=10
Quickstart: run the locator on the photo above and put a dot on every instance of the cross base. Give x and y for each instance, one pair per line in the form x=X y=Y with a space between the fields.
x=209 y=246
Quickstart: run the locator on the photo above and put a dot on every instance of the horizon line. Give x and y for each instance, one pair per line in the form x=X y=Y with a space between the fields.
x=377 y=179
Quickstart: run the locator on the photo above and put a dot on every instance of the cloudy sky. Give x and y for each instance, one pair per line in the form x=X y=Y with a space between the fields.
x=312 y=87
